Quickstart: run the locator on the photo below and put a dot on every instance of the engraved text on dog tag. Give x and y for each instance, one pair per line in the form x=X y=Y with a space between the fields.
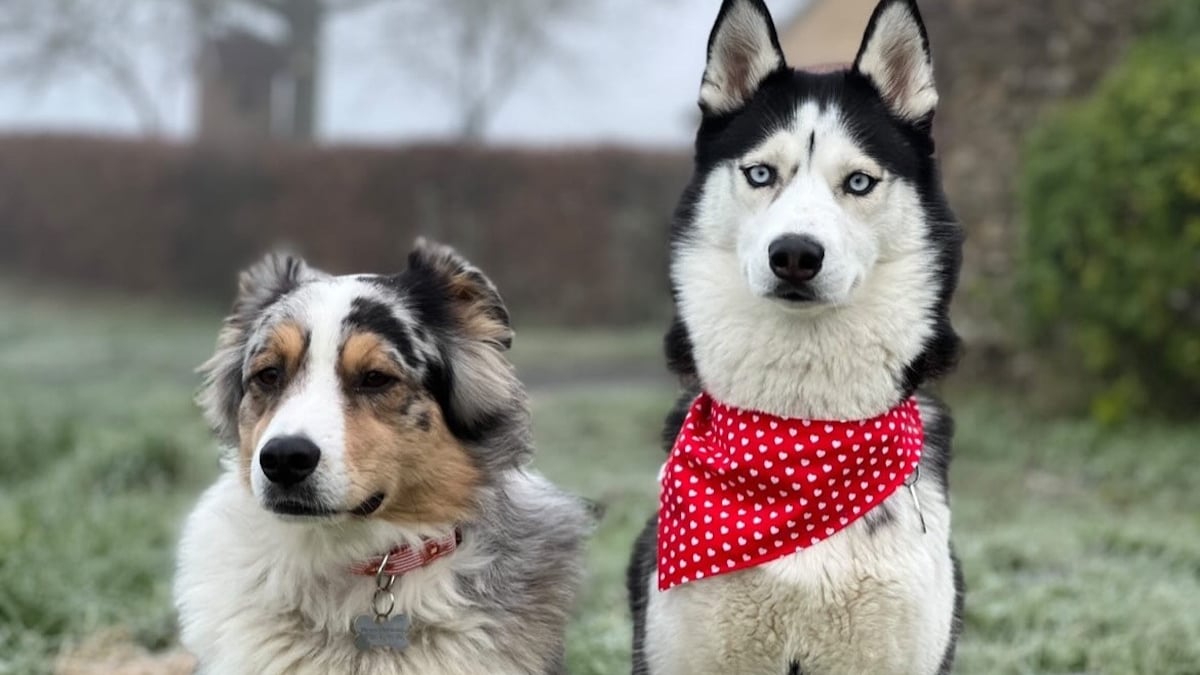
x=381 y=633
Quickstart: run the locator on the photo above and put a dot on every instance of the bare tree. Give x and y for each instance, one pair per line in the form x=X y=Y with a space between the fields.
x=45 y=40
x=302 y=22
x=41 y=40
x=476 y=52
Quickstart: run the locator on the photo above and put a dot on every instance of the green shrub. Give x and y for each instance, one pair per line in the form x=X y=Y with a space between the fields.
x=1111 y=200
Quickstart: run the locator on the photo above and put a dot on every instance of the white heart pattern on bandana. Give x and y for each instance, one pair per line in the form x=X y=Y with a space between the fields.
x=710 y=457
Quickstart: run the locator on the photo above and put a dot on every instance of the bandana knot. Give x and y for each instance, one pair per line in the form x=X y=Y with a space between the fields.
x=743 y=488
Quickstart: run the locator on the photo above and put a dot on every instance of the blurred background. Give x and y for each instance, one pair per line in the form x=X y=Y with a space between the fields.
x=149 y=149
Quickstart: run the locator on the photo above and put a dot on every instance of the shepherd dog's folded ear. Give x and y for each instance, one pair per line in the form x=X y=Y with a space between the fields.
x=472 y=380
x=472 y=298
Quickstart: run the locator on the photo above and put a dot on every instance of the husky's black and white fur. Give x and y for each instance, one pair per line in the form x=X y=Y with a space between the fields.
x=813 y=260
x=390 y=414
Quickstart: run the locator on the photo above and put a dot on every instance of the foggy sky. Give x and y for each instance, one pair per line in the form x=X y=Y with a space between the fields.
x=632 y=75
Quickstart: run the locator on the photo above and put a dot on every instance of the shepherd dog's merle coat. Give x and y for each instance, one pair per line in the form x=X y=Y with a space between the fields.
x=836 y=167
x=361 y=413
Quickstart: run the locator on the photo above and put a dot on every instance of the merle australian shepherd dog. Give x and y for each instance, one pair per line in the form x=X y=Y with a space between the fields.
x=804 y=524
x=371 y=416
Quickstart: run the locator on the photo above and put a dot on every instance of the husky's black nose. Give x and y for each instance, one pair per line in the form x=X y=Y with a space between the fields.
x=796 y=258
x=287 y=460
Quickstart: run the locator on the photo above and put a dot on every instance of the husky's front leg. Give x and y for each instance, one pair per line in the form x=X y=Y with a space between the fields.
x=705 y=631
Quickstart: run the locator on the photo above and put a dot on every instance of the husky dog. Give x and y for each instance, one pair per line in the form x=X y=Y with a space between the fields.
x=813 y=260
x=375 y=514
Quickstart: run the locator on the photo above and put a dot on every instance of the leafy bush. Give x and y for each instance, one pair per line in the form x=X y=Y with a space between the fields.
x=1111 y=198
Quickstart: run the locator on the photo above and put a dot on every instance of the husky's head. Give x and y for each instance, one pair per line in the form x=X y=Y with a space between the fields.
x=813 y=252
x=367 y=396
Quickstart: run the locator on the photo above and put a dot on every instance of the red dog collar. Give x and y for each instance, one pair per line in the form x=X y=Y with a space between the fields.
x=743 y=488
x=404 y=559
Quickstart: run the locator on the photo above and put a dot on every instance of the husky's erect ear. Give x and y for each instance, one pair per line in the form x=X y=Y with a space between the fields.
x=743 y=50
x=895 y=56
x=474 y=384
x=259 y=286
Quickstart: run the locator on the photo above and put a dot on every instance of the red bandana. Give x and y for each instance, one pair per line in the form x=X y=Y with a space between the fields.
x=742 y=488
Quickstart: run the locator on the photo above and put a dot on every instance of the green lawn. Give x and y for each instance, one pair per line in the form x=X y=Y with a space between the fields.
x=1081 y=546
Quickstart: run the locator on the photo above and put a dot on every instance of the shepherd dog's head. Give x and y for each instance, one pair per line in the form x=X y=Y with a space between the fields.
x=367 y=396
x=814 y=238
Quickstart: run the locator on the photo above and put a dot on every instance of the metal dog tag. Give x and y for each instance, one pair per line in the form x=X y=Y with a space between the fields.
x=379 y=629
x=374 y=632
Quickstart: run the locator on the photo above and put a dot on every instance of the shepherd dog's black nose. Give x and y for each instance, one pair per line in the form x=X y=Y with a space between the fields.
x=795 y=258
x=287 y=460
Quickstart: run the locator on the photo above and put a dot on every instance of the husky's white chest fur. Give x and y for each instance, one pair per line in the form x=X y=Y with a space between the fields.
x=871 y=599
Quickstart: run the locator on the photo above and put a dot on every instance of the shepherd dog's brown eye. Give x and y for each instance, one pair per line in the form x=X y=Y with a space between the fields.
x=268 y=378
x=375 y=380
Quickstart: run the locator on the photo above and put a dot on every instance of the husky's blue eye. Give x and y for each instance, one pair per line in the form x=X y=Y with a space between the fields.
x=859 y=184
x=759 y=175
